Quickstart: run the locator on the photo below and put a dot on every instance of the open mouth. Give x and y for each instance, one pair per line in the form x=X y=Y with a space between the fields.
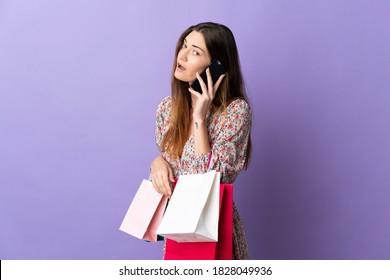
x=181 y=67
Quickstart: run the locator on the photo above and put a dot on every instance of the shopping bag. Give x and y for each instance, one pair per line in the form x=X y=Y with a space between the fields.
x=192 y=212
x=145 y=213
x=221 y=250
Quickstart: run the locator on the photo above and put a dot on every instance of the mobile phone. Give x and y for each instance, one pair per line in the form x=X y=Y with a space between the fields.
x=216 y=70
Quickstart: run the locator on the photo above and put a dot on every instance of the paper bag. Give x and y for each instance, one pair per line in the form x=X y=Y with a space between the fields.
x=145 y=213
x=192 y=212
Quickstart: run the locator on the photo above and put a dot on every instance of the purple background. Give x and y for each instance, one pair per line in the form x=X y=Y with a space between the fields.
x=79 y=86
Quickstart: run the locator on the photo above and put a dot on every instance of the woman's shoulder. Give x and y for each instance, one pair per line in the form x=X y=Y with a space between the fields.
x=239 y=106
x=165 y=104
x=237 y=113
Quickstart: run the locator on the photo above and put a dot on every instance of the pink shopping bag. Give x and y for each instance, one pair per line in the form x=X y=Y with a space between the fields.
x=221 y=250
x=145 y=213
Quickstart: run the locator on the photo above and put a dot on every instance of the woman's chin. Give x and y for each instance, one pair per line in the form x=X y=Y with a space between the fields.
x=182 y=78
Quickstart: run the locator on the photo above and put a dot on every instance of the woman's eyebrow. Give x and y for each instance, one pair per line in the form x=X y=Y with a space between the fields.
x=195 y=46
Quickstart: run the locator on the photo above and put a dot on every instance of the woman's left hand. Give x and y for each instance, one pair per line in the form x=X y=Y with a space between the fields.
x=201 y=102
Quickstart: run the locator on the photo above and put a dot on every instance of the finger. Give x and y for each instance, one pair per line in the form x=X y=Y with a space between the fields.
x=201 y=82
x=155 y=184
x=218 y=83
x=171 y=177
x=209 y=81
x=167 y=187
x=160 y=183
x=195 y=93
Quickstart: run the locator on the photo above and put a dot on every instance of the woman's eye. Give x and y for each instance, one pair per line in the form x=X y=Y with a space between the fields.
x=184 y=46
x=195 y=53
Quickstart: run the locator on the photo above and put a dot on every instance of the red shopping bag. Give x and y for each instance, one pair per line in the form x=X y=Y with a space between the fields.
x=221 y=250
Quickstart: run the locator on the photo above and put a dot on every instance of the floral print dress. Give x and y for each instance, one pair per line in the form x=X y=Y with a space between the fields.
x=228 y=135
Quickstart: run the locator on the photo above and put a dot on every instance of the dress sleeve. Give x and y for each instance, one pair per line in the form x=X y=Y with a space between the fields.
x=229 y=144
x=162 y=120
x=228 y=153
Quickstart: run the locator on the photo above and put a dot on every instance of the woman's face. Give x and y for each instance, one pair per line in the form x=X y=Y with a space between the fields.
x=192 y=57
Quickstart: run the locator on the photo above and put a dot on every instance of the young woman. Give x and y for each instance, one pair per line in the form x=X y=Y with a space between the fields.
x=209 y=130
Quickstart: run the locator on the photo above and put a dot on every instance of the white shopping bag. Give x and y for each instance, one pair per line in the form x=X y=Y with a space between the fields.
x=145 y=213
x=193 y=210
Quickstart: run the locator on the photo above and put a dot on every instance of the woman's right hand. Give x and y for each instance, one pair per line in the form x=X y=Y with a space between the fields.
x=161 y=174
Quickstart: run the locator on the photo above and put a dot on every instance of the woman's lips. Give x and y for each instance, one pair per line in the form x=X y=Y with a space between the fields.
x=181 y=67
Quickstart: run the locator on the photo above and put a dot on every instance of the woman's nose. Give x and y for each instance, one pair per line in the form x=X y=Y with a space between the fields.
x=183 y=55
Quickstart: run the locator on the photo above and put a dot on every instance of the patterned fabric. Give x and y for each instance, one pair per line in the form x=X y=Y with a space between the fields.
x=228 y=135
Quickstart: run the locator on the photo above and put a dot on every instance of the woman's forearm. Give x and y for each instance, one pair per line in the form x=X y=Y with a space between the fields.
x=202 y=144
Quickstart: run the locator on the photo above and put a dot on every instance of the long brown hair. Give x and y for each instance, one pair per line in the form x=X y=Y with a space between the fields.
x=221 y=45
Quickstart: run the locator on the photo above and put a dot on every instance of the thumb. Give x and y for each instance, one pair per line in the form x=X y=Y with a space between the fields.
x=170 y=174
